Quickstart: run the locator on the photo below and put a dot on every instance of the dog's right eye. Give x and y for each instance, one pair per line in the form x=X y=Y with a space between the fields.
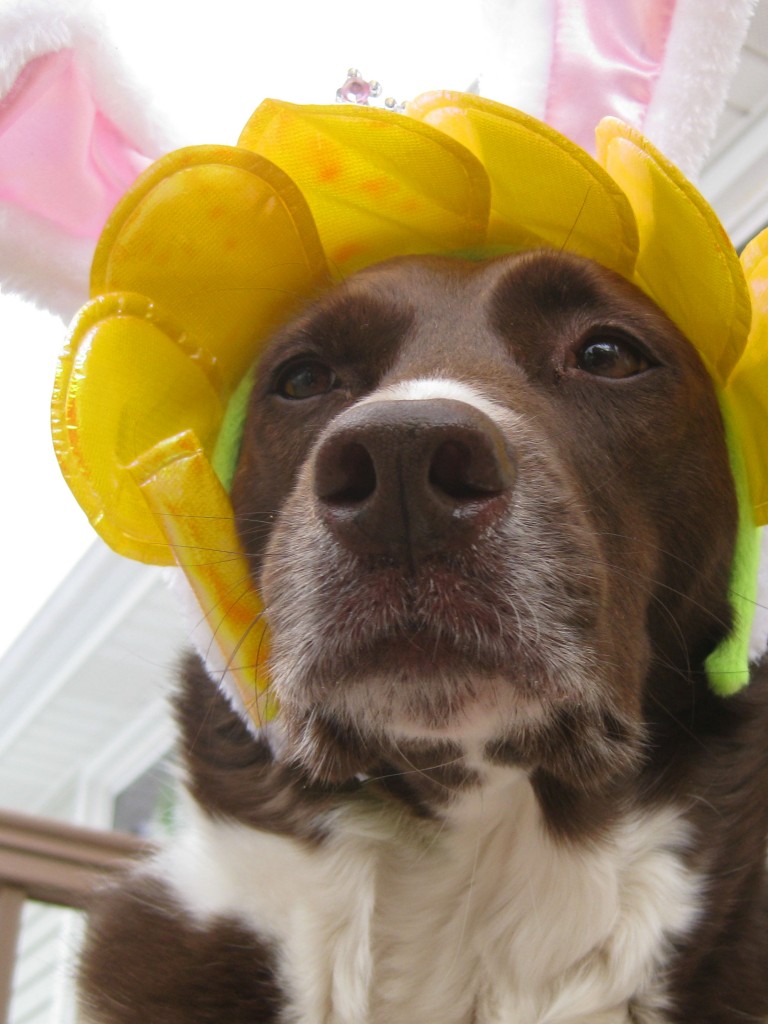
x=611 y=356
x=307 y=378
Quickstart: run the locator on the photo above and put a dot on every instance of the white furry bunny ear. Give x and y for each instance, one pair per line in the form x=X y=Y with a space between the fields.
x=75 y=131
x=662 y=66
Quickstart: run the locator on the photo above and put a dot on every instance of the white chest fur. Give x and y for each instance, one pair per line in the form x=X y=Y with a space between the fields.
x=488 y=921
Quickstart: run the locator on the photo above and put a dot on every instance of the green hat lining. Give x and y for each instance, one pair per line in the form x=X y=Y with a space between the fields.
x=727 y=666
x=226 y=451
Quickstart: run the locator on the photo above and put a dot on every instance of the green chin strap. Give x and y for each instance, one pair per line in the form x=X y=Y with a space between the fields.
x=727 y=666
x=227 y=449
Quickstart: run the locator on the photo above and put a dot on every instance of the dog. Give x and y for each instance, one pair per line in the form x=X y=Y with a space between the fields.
x=489 y=507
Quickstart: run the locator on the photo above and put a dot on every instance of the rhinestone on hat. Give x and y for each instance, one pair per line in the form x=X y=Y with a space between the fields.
x=365 y=94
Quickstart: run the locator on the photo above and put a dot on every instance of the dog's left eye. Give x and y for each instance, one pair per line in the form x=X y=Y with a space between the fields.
x=611 y=356
x=305 y=379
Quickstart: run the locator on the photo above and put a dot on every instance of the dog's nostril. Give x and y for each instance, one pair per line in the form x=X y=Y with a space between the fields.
x=464 y=473
x=345 y=474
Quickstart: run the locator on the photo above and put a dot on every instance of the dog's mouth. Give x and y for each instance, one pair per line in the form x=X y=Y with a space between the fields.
x=434 y=650
x=447 y=656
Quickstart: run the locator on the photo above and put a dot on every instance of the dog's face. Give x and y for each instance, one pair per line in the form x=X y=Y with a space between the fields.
x=486 y=504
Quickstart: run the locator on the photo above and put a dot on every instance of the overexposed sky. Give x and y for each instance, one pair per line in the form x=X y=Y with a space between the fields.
x=210 y=67
x=43 y=530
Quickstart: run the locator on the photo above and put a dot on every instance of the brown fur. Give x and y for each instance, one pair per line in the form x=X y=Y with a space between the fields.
x=148 y=961
x=582 y=593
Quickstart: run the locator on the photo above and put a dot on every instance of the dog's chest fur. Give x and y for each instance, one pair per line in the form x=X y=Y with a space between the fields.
x=483 y=919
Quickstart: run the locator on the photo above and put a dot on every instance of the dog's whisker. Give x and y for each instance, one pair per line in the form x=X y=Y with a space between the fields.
x=415 y=770
x=576 y=219
x=223 y=606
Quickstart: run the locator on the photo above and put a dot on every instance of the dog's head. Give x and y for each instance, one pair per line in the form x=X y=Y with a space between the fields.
x=557 y=551
x=487 y=503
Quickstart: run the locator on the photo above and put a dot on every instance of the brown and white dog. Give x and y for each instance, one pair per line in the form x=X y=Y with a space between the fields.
x=490 y=511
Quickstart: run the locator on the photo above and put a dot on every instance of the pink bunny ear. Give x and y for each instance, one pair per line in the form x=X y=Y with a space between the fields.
x=606 y=60
x=662 y=66
x=74 y=134
x=61 y=157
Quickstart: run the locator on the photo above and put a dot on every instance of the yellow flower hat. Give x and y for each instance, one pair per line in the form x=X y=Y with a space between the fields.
x=214 y=246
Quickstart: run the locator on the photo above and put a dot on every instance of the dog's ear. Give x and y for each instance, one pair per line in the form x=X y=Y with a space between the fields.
x=75 y=131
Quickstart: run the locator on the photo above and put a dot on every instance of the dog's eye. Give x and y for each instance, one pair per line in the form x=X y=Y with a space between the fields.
x=611 y=356
x=305 y=379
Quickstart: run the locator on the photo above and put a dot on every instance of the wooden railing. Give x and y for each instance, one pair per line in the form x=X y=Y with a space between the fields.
x=53 y=863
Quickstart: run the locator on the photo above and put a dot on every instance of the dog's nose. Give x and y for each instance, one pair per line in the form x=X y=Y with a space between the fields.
x=410 y=478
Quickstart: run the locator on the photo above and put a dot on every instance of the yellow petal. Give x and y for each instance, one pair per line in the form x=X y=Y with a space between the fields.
x=378 y=184
x=753 y=262
x=127 y=380
x=747 y=393
x=222 y=242
x=195 y=515
x=748 y=386
x=225 y=247
x=544 y=189
x=686 y=261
